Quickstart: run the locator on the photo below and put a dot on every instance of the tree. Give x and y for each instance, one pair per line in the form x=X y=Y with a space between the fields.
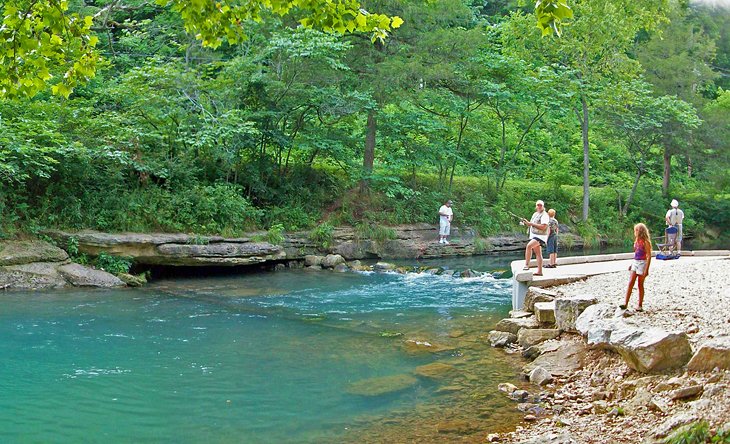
x=43 y=43
x=594 y=48
x=640 y=119
x=678 y=62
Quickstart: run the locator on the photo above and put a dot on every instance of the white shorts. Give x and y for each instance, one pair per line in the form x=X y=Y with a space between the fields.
x=444 y=228
x=638 y=267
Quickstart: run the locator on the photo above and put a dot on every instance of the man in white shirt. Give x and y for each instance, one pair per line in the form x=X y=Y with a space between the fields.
x=675 y=217
x=537 y=233
x=446 y=214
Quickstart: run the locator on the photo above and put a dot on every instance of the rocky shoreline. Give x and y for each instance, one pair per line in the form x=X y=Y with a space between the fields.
x=601 y=374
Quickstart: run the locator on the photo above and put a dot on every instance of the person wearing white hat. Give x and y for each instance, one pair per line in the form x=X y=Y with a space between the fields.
x=538 y=234
x=674 y=218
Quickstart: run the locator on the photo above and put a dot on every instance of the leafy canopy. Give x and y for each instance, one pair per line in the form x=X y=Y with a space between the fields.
x=40 y=40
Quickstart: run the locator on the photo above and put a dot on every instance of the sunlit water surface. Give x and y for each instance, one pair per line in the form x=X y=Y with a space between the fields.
x=295 y=356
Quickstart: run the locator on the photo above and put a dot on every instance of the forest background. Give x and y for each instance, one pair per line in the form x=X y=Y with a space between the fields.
x=295 y=128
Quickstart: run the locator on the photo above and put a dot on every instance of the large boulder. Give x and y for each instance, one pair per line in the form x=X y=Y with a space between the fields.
x=25 y=252
x=80 y=276
x=651 y=349
x=711 y=354
x=564 y=361
x=332 y=260
x=36 y=275
x=568 y=309
x=597 y=322
x=311 y=259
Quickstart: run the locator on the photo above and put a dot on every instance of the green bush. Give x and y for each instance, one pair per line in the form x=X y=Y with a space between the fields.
x=275 y=235
x=322 y=235
x=113 y=264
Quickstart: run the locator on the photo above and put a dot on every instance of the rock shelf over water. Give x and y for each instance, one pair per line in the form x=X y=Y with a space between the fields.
x=405 y=241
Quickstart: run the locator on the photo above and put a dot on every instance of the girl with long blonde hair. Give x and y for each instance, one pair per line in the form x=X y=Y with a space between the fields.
x=640 y=266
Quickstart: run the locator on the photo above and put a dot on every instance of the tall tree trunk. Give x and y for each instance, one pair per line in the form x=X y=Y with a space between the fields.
x=629 y=199
x=667 y=170
x=586 y=158
x=368 y=157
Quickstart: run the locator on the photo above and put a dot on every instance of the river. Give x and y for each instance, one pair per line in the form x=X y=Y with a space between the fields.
x=294 y=356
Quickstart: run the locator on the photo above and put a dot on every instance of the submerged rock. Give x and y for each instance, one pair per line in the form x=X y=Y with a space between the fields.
x=435 y=370
x=382 y=385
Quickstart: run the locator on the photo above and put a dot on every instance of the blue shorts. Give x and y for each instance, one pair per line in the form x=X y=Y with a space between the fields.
x=552 y=244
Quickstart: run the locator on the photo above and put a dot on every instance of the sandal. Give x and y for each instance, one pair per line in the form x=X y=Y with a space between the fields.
x=537 y=274
x=525 y=268
x=622 y=307
x=639 y=309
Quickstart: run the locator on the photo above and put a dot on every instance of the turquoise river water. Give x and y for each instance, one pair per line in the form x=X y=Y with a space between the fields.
x=294 y=356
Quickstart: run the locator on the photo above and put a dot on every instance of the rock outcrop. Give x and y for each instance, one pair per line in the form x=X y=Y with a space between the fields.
x=31 y=265
x=644 y=349
x=407 y=241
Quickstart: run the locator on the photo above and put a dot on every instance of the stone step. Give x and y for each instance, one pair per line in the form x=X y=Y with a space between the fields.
x=545 y=312
x=537 y=294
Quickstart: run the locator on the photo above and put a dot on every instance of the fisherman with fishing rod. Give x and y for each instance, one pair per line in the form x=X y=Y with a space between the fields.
x=537 y=234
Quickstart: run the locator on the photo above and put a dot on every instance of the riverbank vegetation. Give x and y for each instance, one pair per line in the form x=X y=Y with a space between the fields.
x=291 y=127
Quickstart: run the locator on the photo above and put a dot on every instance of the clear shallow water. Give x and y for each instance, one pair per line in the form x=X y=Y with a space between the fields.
x=272 y=357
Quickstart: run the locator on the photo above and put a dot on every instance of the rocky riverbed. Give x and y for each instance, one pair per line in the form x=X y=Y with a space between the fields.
x=607 y=397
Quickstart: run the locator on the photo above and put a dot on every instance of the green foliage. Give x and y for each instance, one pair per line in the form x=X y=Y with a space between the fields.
x=268 y=132
x=112 y=264
x=374 y=232
x=481 y=245
x=697 y=433
x=72 y=248
x=275 y=235
x=42 y=43
x=322 y=235
x=551 y=14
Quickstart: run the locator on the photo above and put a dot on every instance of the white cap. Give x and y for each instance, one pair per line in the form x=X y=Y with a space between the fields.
x=539 y=202
x=674 y=203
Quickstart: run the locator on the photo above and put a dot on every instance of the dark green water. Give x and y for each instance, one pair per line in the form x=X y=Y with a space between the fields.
x=271 y=357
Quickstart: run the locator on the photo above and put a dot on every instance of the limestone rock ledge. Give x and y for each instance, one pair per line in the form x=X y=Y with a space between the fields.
x=30 y=265
x=406 y=241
